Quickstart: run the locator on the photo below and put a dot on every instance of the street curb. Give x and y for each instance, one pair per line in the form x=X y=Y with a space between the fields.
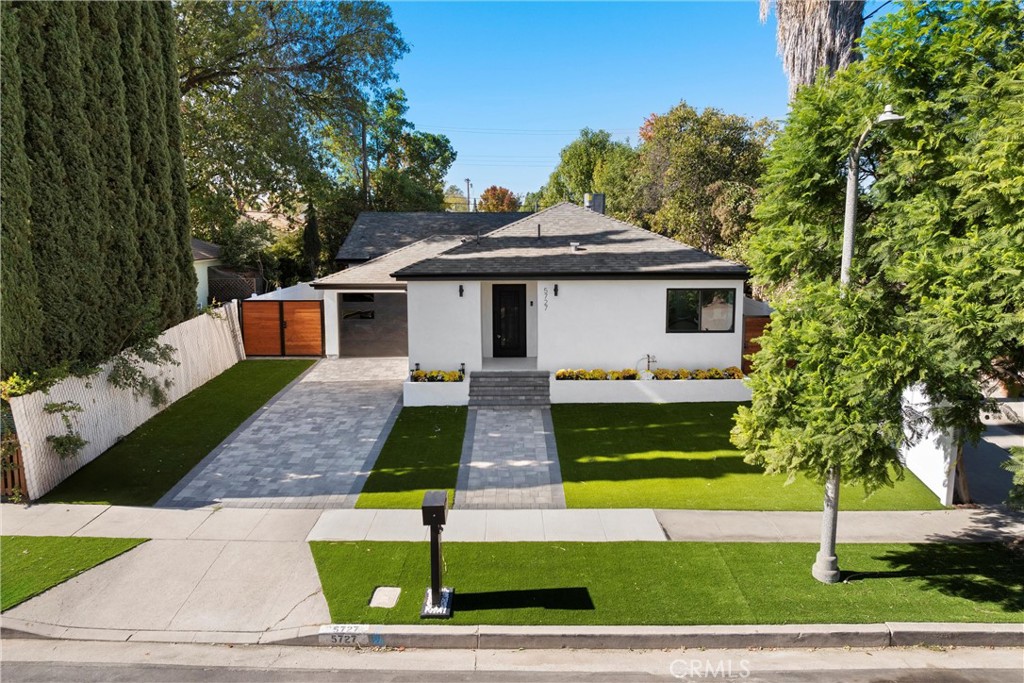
x=558 y=637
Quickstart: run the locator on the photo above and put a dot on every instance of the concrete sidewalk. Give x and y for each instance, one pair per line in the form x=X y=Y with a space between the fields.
x=241 y=524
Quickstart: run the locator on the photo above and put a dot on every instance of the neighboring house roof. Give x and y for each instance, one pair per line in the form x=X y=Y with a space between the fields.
x=376 y=273
x=376 y=233
x=607 y=248
x=204 y=251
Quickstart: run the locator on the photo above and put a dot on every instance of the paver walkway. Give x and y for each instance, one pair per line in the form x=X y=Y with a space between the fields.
x=509 y=461
x=311 y=446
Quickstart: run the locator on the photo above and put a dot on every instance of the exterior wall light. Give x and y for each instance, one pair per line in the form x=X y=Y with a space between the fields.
x=556 y=290
x=460 y=291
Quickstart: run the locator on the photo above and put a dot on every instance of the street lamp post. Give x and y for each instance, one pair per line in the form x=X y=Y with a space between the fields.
x=826 y=564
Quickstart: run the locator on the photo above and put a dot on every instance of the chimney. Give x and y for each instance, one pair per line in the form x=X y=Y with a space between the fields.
x=597 y=202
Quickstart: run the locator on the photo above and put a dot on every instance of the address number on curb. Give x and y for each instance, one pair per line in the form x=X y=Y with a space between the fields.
x=349 y=634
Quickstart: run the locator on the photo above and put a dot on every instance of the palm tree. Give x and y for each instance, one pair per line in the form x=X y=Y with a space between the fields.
x=815 y=33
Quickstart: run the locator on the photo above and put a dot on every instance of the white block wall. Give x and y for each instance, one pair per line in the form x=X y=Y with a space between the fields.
x=206 y=346
x=933 y=457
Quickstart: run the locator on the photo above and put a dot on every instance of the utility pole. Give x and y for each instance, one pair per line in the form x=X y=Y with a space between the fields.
x=366 y=168
x=469 y=206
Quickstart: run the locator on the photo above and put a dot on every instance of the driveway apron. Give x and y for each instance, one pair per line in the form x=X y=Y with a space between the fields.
x=312 y=446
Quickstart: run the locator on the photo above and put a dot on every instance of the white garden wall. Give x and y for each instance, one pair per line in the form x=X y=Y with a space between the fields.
x=648 y=391
x=206 y=346
x=933 y=457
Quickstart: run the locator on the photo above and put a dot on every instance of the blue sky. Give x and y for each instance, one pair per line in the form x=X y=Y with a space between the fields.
x=512 y=83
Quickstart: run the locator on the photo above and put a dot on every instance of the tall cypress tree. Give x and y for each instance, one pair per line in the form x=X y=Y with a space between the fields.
x=182 y=232
x=72 y=134
x=21 y=340
x=136 y=82
x=53 y=244
x=111 y=153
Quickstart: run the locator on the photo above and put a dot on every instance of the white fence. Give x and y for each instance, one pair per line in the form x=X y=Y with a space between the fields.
x=932 y=457
x=205 y=347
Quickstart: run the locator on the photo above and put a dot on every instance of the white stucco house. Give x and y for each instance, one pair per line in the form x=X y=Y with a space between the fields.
x=204 y=256
x=571 y=288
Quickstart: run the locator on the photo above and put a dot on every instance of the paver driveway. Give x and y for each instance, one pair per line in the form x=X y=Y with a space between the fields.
x=310 y=447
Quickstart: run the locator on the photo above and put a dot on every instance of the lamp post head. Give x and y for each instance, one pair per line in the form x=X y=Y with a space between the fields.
x=888 y=117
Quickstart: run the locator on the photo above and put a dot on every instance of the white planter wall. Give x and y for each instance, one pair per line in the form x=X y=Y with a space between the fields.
x=648 y=391
x=205 y=347
x=435 y=394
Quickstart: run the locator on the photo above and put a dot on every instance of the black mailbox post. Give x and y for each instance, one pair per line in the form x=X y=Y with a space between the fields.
x=438 y=601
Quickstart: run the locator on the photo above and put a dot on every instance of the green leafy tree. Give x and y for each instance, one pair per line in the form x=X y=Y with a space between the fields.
x=694 y=168
x=455 y=199
x=935 y=296
x=268 y=90
x=496 y=198
x=579 y=167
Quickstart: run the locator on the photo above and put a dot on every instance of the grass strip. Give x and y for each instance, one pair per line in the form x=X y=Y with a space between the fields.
x=146 y=464
x=421 y=453
x=676 y=583
x=678 y=455
x=33 y=564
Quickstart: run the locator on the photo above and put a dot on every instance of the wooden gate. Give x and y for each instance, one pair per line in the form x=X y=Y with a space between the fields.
x=753 y=327
x=283 y=328
x=12 y=473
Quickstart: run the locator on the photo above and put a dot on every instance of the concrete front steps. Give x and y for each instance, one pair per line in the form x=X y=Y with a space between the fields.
x=504 y=389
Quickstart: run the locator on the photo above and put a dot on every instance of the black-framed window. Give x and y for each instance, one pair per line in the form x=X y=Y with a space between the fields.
x=700 y=310
x=357 y=298
x=358 y=315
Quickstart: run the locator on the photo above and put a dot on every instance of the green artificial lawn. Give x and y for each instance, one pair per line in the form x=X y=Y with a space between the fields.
x=146 y=464
x=678 y=455
x=675 y=583
x=33 y=564
x=421 y=453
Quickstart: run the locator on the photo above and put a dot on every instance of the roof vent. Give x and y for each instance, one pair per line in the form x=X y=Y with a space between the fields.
x=575 y=246
x=538 y=231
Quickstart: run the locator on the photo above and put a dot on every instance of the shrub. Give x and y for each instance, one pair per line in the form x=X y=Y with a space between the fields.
x=700 y=374
x=436 y=376
x=615 y=375
x=565 y=374
x=683 y=373
x=597 y=374
x=665 y=373
x=581 y=374
x=629 y=373
x=733 y=372
x=714 y=373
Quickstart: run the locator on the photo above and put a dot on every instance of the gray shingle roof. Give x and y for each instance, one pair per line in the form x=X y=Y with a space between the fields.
x=376 y=273
x=376 y=233
x=203 y=251
x=607 y=247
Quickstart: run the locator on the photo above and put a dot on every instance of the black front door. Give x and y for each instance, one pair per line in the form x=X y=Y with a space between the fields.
x=509 y=305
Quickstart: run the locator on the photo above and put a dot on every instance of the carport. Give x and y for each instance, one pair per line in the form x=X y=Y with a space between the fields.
x=365 y=308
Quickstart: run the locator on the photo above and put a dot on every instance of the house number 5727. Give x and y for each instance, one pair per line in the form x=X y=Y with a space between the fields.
x=545 y=298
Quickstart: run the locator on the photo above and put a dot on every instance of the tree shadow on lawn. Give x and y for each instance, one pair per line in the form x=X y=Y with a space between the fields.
x=577 y=598
x=631 y=469
x=398 y=480
x=979 y=572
